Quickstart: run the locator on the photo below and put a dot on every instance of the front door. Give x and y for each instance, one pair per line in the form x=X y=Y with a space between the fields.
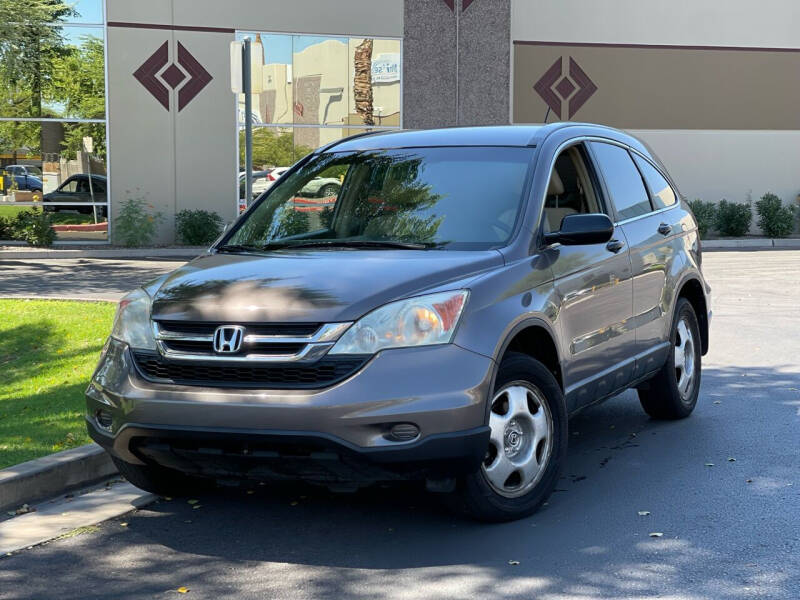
x=593 y=282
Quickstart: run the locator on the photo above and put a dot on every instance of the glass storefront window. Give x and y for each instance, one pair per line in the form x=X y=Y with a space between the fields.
x=374 y=67
x=309 y=91
x=58 y=168
x=53 y=72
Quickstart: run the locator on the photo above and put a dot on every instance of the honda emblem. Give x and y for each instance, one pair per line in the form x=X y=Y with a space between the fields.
x=228 y=339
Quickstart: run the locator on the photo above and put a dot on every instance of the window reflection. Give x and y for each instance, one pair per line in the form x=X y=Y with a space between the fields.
x=53 y=72
x=59 y=168
x=324 y=81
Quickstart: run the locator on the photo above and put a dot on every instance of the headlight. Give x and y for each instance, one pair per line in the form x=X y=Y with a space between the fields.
x=132 y=321
x=420 y=321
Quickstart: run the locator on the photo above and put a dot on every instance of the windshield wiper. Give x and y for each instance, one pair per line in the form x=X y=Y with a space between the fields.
x=237 y=248
x=350 y=244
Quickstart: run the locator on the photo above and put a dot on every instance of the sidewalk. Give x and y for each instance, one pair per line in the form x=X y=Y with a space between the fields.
x=78 y=278
x=24 y=252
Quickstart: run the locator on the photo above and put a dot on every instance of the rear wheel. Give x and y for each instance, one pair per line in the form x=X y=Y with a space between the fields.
x=672 y=392
x=527 y=444
x=159 y=480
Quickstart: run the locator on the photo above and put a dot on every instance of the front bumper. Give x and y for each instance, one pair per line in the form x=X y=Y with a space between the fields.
x=340 y=432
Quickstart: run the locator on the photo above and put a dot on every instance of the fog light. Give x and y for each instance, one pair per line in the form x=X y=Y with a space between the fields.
x=103 y=418
x=403 y=432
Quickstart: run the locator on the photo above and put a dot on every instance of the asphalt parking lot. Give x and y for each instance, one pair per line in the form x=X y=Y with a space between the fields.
x=722 y=487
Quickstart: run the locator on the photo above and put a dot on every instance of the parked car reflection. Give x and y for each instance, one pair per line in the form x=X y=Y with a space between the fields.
x=78 y=190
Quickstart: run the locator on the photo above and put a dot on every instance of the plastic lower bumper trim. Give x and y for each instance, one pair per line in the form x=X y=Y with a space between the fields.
x=315 y=456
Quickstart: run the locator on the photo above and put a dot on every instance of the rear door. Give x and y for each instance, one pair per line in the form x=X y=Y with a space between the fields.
x=642 y=213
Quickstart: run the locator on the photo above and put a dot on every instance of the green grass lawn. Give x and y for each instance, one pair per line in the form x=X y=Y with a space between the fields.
x=48 y=351
x=59 y=218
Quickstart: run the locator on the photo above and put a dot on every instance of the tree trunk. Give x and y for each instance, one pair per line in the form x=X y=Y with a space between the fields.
x=362 y=81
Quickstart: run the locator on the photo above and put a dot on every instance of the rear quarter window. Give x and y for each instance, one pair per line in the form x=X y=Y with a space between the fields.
x=660 y=190
x=623 y=180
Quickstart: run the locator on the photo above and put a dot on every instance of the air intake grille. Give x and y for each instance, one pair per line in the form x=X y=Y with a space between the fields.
x=323 y=373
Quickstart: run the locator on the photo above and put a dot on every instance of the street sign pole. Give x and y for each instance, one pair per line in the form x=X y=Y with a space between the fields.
x=248 y=125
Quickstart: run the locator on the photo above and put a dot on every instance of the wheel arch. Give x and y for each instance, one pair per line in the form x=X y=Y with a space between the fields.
x=692 y=290
x=535 y=338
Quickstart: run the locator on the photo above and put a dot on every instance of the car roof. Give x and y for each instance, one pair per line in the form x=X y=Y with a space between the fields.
x=504 y=135
x=495 y=135
x=85 y=176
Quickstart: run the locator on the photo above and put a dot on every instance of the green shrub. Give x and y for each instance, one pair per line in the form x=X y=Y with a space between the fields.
x=34 y=227
x=198 y=227
x=6 y=228
x=705 y=213
x=774 y=219
x=733 y=219
x=135 y=225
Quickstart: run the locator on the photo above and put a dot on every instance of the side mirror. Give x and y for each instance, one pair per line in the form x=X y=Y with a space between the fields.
x=581 y=229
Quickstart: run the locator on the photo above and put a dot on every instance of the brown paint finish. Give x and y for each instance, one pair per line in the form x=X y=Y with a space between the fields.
x=663 y=87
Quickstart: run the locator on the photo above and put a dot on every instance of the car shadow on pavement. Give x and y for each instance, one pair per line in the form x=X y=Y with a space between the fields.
x=626 y=477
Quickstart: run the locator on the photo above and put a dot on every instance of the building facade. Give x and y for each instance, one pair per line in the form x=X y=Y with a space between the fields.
x=711 y=86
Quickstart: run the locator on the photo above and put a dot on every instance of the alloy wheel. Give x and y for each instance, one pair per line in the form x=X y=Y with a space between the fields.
x=684 y=358
x=521 y=439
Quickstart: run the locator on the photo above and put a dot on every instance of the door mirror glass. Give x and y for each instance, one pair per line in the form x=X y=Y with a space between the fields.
x=581 y=229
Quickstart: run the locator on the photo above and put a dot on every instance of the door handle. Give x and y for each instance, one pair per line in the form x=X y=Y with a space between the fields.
x=665 y=229
x=615 y=246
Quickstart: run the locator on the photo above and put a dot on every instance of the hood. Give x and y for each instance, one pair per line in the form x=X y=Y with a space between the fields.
x=309 y=285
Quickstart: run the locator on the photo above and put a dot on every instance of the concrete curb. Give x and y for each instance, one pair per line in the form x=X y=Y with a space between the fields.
x=51 y=475
x=24 y=253
x=751 y=243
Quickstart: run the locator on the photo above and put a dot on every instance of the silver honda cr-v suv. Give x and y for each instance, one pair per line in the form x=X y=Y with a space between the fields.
x=439 y=318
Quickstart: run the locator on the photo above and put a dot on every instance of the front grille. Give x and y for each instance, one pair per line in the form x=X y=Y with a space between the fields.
x=325 y=372
x=208 y=347
x=202 y=328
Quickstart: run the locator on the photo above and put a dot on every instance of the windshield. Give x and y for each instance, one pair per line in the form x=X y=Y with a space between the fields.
x=453 y=197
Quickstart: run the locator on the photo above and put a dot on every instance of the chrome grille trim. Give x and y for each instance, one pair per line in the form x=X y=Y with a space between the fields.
x=316 y=345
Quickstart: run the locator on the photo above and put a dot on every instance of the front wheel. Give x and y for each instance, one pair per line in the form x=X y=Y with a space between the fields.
x=672 y=392
x=527 y=444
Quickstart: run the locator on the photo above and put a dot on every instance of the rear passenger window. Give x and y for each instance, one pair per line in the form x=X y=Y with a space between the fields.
x=661 y=191
x=623 y=180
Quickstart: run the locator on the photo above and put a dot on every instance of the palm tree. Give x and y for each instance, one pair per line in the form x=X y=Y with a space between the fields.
x=362 y=81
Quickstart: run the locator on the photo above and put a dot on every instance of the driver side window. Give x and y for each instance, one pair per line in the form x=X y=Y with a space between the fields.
x=571 y=189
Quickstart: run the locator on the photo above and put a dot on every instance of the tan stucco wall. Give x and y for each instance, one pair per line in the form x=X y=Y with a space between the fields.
x=735 y=165
x=766 y=23
x=717 y=100
x=351 y=17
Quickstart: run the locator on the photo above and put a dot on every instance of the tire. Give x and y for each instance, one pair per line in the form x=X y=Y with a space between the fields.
x=528 y=416
x=672 y=392
x=159 y=480
x=328 y=191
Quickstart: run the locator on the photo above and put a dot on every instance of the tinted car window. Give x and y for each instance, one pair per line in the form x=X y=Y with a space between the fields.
x=662 y=193
x=623 y=180
x=70 y=186
x=460 y=198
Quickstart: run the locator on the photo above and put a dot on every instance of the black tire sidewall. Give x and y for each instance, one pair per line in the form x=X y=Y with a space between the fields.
x=482 y=500
x=684 y=309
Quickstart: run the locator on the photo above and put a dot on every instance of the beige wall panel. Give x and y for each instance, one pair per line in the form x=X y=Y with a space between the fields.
x=712 y=165
x=372 y=17
x=765 y=23
x=139 y=11
x=140 y=133
x=666 y=88
x=205 y=131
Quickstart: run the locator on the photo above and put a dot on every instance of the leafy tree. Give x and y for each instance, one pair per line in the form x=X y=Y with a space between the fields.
x=272 y=149
x=30 y=41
